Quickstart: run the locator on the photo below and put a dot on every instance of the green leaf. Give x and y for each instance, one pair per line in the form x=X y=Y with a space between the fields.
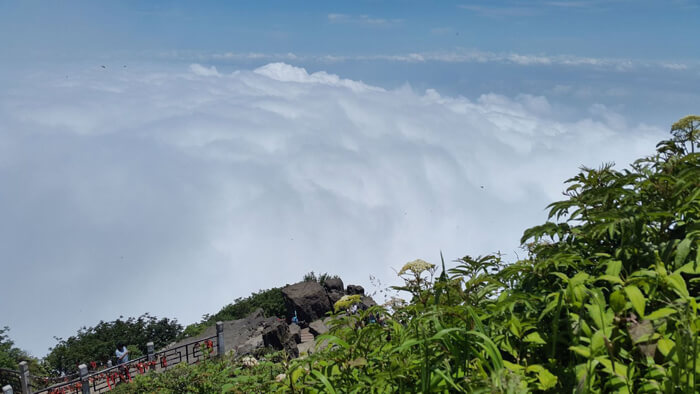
x=546 y=379
x=611 y=279
x=620 y=368
x=661 y=313
x=677 y=283
x=617 y=301
x=333 y=339
x=561 y=276
x=324 y=380
x=296 y=374
x=512 y=366
x=682 y=251
x=636 y=298
x=614 y=268
x=534 y=337
x=581 y=350
x=449 y=380
x=690 y=268
x=665 y=346
x=597 y=341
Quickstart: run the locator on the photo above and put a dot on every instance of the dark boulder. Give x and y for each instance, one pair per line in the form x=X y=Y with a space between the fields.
x=367 y=302
x=333 y=284
x=308 y=299
x=334 y=296
x=355 y=289
x=318 y=327
x=276 y=335
x=295 y=332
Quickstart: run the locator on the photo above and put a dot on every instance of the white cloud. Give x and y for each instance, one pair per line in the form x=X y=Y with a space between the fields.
x=176 y=192
x=463 y=56
x=200 y=70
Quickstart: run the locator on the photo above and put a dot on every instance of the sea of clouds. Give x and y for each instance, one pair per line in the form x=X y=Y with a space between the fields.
x=173 y=192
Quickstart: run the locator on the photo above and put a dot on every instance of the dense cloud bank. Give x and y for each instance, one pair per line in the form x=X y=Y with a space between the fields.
x=176 y=192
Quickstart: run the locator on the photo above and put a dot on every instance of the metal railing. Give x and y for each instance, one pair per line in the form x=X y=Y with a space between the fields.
x=11 y=378
x=106 y=379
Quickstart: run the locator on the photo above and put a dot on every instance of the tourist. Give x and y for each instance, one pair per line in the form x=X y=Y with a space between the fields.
x=122 y=354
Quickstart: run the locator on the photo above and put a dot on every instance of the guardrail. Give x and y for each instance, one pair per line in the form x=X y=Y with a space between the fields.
x=106 y=379
x=10 y=378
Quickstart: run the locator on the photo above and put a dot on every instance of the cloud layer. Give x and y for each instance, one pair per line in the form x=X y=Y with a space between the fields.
x=175 y=192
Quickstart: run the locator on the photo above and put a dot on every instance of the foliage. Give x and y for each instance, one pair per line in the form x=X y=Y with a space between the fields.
x=228 y=375
x=312 y=277
x=270 y=301
x=99 y=343
x=347 y=301
x=606 y=300
x=11 y=356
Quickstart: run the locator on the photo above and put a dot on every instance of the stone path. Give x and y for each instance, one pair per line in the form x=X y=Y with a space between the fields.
x=307 y=341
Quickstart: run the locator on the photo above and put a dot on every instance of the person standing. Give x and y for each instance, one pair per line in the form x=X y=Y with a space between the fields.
x=122 y=354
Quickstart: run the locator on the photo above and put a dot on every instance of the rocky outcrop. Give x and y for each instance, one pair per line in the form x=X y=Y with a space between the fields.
x=318 y=327
x=334 y=288
x=333 y=284
x=308 y=299
x=334 y=296
x=295 y=332
x=355 y=289
x=367 y=302
x=311 y=301
x=251 y=334
x=276 y=335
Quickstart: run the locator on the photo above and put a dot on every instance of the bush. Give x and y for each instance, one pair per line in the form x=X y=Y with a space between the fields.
x=99 y=343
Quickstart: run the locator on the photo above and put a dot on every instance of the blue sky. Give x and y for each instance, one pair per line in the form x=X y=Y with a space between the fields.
x=653 y=30
x=251 y=142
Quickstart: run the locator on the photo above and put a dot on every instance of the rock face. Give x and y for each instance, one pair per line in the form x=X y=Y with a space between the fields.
x=318 y=327
x=368 y=301
x=333 y=284
x=295 y=332
x=308 y=299
x=248 y=335
x=334 y=296
x=354 y=289
x=276 y=335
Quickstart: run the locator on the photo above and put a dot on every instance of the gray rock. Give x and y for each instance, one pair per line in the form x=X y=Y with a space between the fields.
x=306 y=348
x=276 y=335
x=246 y=336
x=367 y=302
x=355 y=289
x=295 y=332
x=334 y=296
x=308 y=299
x=252 y=345
x=318 y=327
x=333 y=284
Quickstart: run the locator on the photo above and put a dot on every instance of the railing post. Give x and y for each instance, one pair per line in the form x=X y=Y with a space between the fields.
x=85 y=383
x=24 y=377
x=220 y=347
x=7 y=389
x=151 y=355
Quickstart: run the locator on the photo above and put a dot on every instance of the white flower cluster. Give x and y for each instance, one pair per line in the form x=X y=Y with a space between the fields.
x=249 y=361
x=416 y=267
